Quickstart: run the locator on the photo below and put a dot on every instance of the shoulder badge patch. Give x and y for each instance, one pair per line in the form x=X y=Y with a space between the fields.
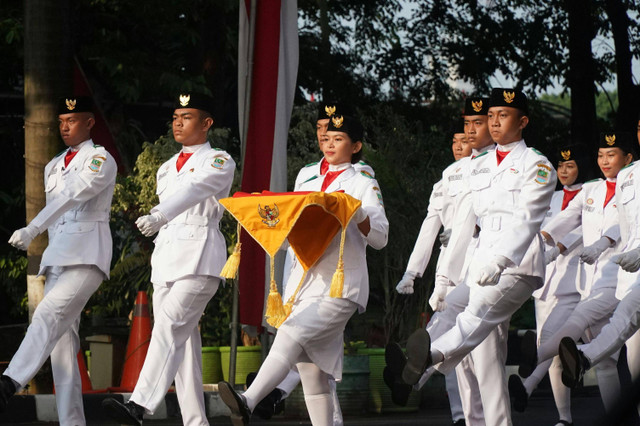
x=542 y=177
x=96 y=163
x=379 y=195
x=218 y=162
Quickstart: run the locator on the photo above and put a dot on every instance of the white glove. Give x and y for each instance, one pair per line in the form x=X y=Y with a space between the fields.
x=23 y=237
x=405 y=286
x=591 y=253
x=490 y=273
x=444 y=237
x=360 y=215
x=151 y=223
x=629 y=260
x=437 y=299
x=551 y=254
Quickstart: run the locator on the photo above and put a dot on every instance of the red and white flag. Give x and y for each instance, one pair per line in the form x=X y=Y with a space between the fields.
x=267 y=72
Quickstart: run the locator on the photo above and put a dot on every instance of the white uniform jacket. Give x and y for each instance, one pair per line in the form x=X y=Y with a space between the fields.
x=356 y=277
x=628 y=203
x=510 y=202
x=191 y=242
x=313 y=169
x=561 y=275
x=587 y=209
x=77 y=211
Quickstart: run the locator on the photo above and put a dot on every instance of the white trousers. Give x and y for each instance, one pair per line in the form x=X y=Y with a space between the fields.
x=175 y=350
x=622 y=326
x=488 y=307
x=54 y=331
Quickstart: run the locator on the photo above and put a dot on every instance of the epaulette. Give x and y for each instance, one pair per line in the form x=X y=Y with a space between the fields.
x=311 y=178
x=628 y=165
x=60 y=153
x=95 y=145
x=594 y=180
x=362 y=163
x=480 y=155
x=216 y=149
x=367 y=174
x=312 y=164
x=536 y=151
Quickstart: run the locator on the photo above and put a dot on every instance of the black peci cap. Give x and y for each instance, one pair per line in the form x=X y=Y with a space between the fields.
x=73 y=104
x=512 y=98
x=194 y=100
x=475 y=105
x=347 y=124
x=622 y=140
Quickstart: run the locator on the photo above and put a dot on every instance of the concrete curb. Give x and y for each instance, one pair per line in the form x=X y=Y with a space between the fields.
x=34 y=408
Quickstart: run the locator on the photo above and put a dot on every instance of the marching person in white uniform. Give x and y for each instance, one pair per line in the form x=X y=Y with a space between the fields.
x=439 y=214
x=79 y=186
x=555 y=301
x=595 y=209
x=625 y=322
x=511 y=190
x=189 y=254
x=311 y=338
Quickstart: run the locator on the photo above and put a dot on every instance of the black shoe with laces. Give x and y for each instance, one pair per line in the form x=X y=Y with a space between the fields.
x=128 y=413
x=418 y=356
x=7 y=389
x=240 y=413
x=271 y=404
x=574 y=363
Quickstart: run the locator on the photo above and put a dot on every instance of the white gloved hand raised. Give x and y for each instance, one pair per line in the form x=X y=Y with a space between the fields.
x=151 y=223
x=490 y=273
x=629 y=260
x=551 y=254
x=444 y=237
x=405 y=286
x=440 y=290
x=591 y=253
x=21 y=238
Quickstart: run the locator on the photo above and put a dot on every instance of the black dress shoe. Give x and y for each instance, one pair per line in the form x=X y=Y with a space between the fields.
x=528 y=354
x=460 y=422
x=518 y=393
x=128 y=413
x=392 y=374
x=240 y=413
x=7 y=389
x=418 y=356
x=574 y=363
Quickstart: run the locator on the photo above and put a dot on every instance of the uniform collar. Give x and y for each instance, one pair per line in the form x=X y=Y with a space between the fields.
x=192 y=148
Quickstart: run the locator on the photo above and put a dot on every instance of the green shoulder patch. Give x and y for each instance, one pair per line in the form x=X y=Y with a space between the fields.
x=365 y=173
x=593 y=180
x=627 y=166
x=311 y=178
x=312 y=164
x=536 y=151
x=60 y=153
x=362 y=163
x=480 y=155
x=216 y=149
x=95 y=145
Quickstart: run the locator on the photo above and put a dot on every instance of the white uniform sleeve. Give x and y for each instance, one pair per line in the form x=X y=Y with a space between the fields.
x=572 y=240
x=206 y=182
x=567 y=220
x=97 y=173
x=431 y=224
x=373 y=205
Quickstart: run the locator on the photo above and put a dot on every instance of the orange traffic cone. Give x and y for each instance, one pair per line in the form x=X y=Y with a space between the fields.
x=137 y=346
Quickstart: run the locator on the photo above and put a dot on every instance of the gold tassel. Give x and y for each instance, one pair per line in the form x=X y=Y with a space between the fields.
x=288 y=307
x=275 y=311
x=230 y=269
x=337 y=282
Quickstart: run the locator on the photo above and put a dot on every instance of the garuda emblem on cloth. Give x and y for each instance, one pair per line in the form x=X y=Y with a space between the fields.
x=565 y=155
x=269 y=215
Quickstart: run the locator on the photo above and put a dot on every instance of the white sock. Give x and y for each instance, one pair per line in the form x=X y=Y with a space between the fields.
x=320 y=409
x=561 y=393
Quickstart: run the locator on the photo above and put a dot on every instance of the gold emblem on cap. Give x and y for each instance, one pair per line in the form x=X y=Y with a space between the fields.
x=610 y=139
x=508 y=96
x=477 y=106
x=71 y=104
x=330 y=110
x=184 y=100
x=565 y=154
x=337 y=121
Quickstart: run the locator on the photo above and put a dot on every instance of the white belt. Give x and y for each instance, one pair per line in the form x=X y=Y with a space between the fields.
x=85 y=216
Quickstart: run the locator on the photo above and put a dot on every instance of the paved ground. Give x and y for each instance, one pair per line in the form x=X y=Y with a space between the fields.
x=587 y=409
